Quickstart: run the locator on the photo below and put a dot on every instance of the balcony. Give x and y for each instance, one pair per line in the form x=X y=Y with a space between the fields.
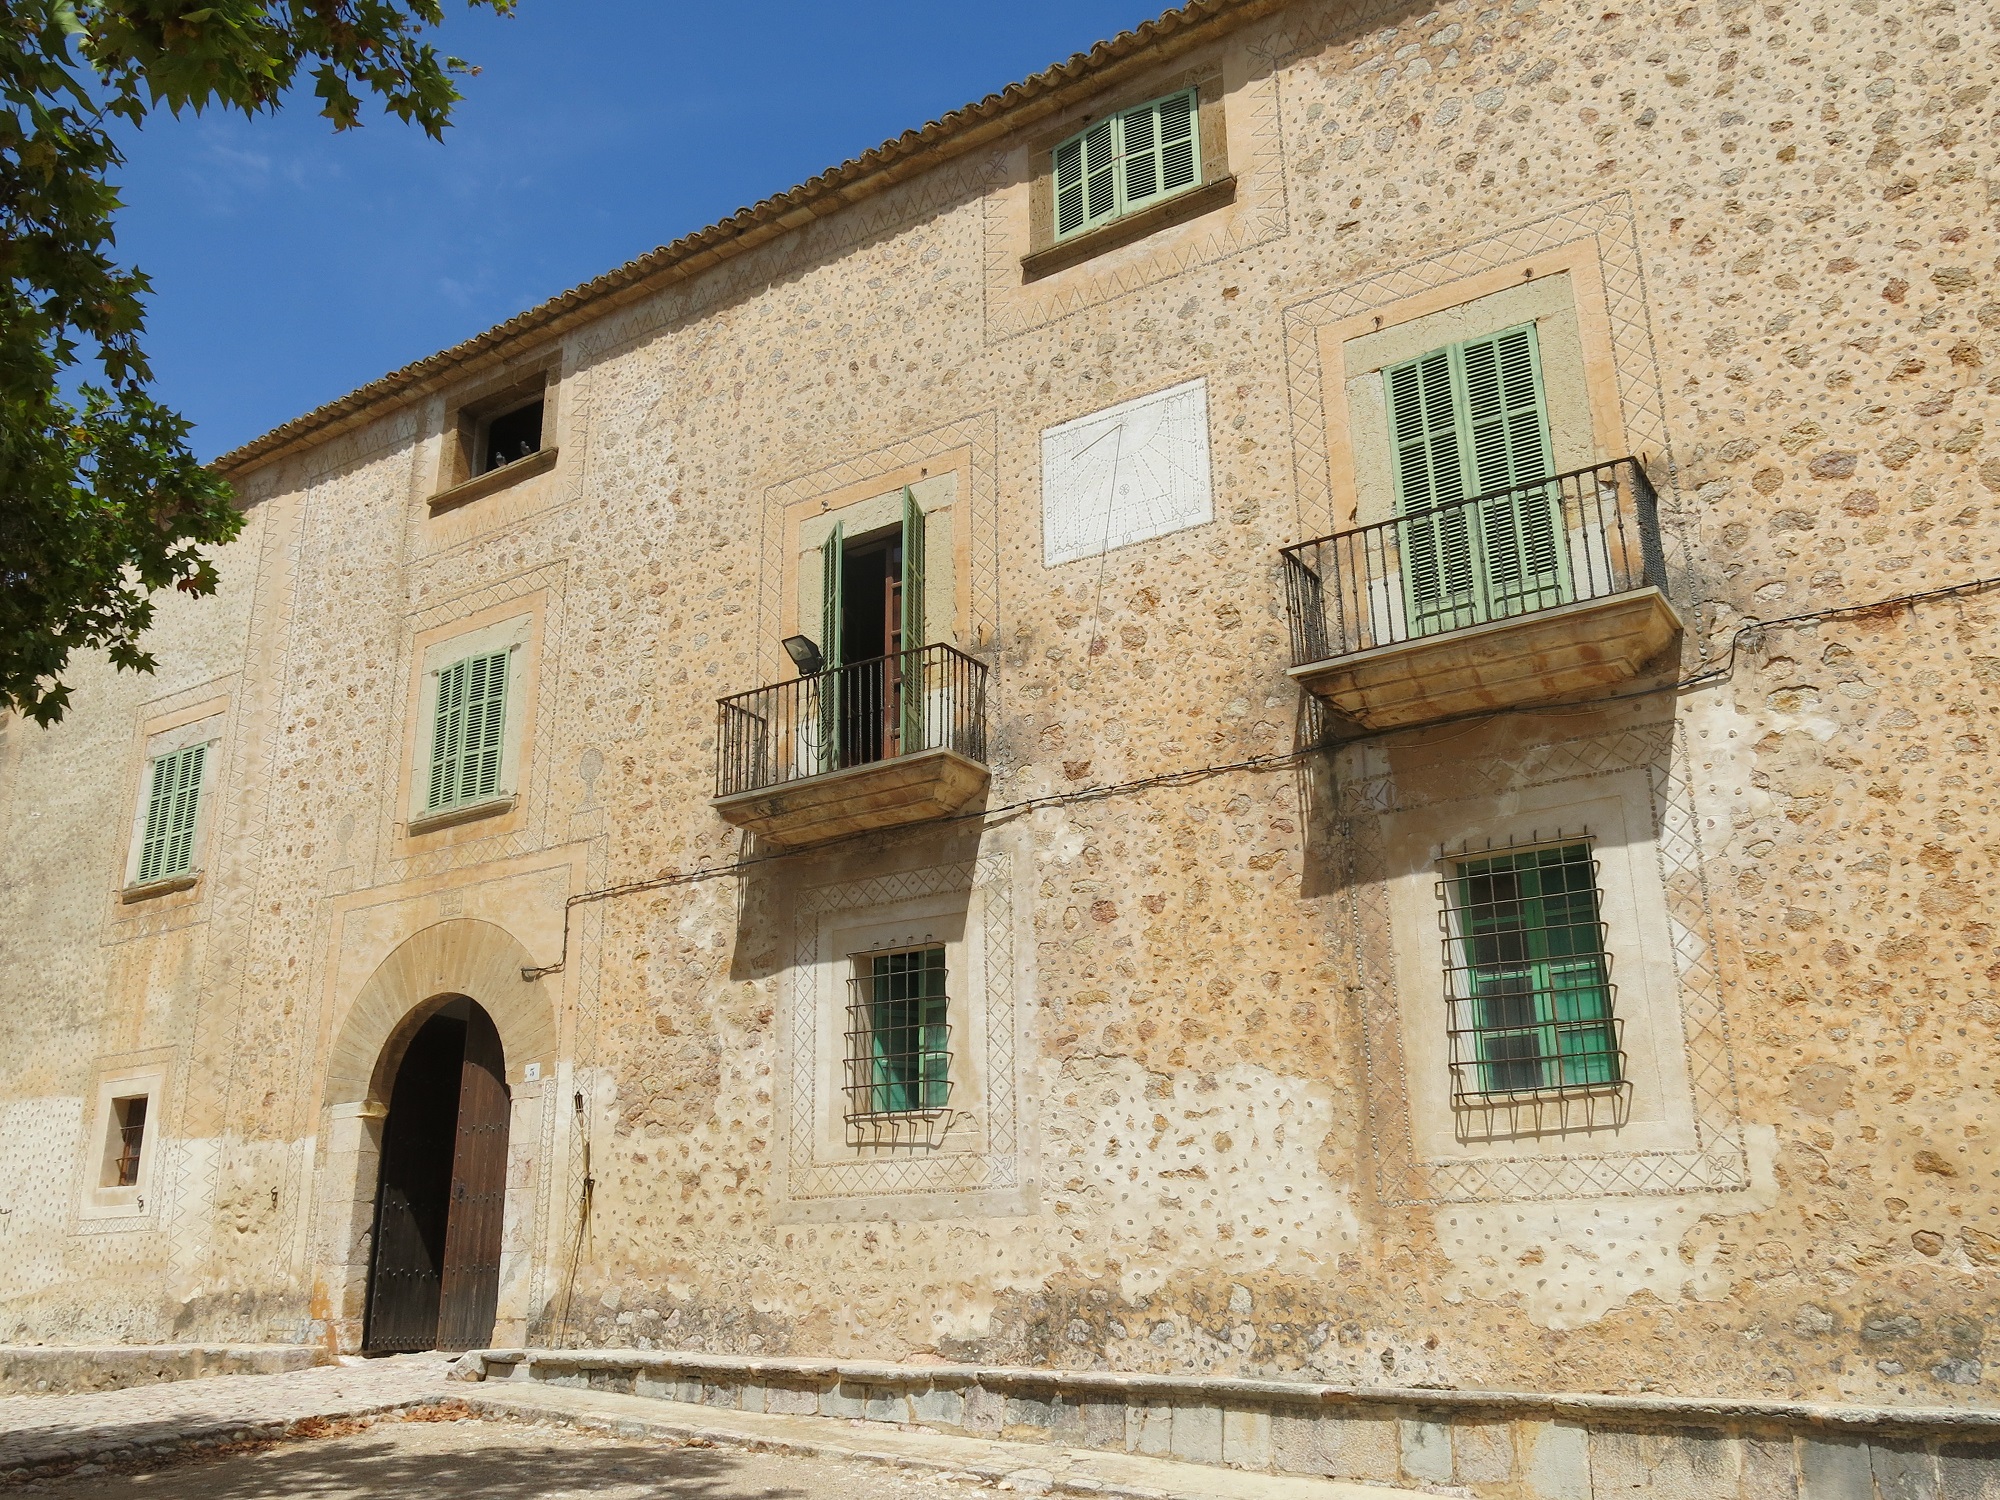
x=1547 y=592
x=854 y=749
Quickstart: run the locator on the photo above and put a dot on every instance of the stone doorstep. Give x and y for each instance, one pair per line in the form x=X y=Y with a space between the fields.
x=1022 y=1467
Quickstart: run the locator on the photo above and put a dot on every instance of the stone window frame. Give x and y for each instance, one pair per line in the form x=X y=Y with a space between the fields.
x=202 y=723
x=1596 y=240
x=516 y=626
x=1654 y=1111
x=467 y=415
x=1560 y=293
x=1046 y=255
x=1560 y=773
x=977 y=1167
x=107 y=1207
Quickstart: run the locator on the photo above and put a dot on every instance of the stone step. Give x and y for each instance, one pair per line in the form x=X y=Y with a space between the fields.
x=1026 y=1468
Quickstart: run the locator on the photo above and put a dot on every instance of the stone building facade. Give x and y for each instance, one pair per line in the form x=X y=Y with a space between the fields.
x=1441 y=957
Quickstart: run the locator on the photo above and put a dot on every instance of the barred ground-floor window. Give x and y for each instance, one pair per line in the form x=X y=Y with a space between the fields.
x=898 y=1035
x=1527 y=979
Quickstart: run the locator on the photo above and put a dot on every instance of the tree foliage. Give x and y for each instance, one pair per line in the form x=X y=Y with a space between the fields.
x=102 y=503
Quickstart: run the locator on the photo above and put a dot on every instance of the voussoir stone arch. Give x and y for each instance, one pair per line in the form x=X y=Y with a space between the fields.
x=460 y=956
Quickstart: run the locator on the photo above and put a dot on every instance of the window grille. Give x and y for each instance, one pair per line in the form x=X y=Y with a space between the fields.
x=467 y=732
x=898 y=1038
x=1127 y=161
x=1527 y=980
x=172 y=804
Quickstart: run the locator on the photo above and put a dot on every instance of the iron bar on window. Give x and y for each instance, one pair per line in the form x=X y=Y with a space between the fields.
x=898 y=1037
x=1527 y=979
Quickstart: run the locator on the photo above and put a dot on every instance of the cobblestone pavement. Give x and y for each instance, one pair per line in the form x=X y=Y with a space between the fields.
x=37 y=1430
x=504 y=1461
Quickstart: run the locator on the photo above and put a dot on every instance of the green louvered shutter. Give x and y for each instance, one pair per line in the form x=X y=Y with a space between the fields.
x=1507 y=436
x=173 y=803
x=911 y=685
x=469 y=731
x=828 y=708
x=1436 y=541
x=1159 y=149
x=1127 y=161
x=1468 y=420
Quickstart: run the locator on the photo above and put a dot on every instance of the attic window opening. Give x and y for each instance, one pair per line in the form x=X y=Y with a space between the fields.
x=513 y=436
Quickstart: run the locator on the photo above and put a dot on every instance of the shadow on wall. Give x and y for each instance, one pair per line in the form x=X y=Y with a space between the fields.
x=768 y=904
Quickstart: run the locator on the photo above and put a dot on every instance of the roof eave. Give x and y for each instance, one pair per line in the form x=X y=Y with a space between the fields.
x=1019 y=104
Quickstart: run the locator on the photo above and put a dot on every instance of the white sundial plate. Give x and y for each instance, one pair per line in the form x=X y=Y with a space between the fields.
x=1125 y=474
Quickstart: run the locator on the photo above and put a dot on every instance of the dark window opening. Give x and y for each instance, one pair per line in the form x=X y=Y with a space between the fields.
x=513 y=436
x=871 y=629
x=128 y=1124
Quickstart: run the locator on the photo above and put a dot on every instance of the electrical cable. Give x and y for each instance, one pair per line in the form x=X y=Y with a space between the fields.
x=989 y=815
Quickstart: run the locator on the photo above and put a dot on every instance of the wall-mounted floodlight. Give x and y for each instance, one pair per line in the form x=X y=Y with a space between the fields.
x=805 y=654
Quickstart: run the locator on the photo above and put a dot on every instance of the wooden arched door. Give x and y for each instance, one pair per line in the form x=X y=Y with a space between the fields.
x=434 y=1275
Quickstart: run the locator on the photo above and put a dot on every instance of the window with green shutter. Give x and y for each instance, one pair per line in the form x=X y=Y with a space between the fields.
x=1469 y=423
x=898 y=1037
x=468 y=732
x=1530 y=986
x=1127 y=161
x=173 y=806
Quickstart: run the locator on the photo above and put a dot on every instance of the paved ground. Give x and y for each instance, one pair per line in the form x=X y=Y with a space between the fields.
x=475 y=1460
x=396 y=1426
x=37 y=1430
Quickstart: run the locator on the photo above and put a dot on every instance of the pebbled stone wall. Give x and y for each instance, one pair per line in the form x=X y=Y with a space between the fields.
x=1210 y=1163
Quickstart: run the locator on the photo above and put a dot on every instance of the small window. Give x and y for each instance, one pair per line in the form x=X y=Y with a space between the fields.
x=511 y=436
x=173 y=803
x=126 y=1143
x=898 y=1038
x=1526 y=976
x=1127 y=161
x=468 y=731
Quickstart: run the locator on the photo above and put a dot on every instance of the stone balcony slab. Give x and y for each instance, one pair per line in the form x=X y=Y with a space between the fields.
x=1552 y=656
x=872 y=798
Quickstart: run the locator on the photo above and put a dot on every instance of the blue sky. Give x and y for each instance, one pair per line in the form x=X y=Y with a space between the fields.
x=291 y=265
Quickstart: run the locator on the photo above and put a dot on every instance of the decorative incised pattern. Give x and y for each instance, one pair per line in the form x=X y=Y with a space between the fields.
x=998 y=1166
x=1717 y=1162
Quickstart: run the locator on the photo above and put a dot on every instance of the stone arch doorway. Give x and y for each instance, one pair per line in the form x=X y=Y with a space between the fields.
x=448 y=968
x=434 y=1275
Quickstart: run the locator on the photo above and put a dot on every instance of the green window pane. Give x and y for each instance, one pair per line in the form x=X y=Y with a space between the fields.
x=908 y=1057
x=1126 y=161
x=1533 y=980
x=1466 y=421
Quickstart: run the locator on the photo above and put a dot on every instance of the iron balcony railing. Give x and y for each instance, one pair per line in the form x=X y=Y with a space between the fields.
x=1587 y=534
x=930 y=699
